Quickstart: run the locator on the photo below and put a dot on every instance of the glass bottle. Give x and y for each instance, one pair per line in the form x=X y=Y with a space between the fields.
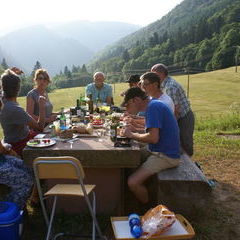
x=78 y=109
x=113 y=131
x=62 y=120
x=90 y=104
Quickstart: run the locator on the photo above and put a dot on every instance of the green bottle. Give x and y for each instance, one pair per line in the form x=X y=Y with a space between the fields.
x=62 y=120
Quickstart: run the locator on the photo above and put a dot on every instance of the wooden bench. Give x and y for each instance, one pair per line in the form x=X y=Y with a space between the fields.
x=184 y=187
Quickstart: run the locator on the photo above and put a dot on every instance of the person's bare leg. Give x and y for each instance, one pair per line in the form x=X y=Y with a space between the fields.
x=135 y=183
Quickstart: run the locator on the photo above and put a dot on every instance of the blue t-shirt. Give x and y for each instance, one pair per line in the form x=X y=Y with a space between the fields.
x=103 y=93
x=158 y=115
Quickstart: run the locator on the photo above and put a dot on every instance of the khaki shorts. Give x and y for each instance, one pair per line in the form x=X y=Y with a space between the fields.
x=157 y=162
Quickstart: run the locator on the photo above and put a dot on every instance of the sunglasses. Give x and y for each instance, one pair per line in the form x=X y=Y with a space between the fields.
x=42 y=78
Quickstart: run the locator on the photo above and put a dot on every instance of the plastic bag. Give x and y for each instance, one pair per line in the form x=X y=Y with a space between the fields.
x=157 y=220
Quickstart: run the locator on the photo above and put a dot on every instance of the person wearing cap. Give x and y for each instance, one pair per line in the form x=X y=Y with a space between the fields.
x=183 y=112
x=133 y=81
x=98 y=90
x=162 y=136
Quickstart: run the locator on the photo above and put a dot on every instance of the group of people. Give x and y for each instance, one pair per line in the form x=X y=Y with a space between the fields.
x=19 y=126
x=158 y=114
x=168 y=123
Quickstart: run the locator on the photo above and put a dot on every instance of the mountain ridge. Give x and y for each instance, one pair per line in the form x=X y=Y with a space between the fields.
x=53 y=48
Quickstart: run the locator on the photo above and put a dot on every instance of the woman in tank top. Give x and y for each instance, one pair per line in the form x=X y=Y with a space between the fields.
x=42 y=80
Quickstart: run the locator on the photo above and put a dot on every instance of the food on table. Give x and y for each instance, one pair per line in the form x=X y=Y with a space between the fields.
x=89 y=128
x=105 y=109
x=83 y=129
x=97 y=122
x=65 y=134
x=157 y=220
x=75 y=119
x=39 y=142
x=34 y=142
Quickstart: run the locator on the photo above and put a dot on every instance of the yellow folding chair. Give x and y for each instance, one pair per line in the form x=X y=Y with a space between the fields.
x=64 y=168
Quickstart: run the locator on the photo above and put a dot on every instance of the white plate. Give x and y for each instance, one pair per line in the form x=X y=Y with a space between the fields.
x=98 y=125
x=40 y=143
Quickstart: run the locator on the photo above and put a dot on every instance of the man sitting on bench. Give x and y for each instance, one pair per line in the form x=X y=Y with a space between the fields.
x=162 y=136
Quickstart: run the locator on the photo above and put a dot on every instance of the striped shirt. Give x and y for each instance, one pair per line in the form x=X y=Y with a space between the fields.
x=177 y=94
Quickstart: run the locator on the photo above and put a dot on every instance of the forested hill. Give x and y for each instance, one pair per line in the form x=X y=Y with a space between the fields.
x=200 y=34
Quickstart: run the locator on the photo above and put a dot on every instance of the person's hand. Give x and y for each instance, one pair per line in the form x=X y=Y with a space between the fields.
x=17 y=70
x=53 y=117
x=6 y=148
x=127 y=132
x=177 y=111
x=127 y=119
x=41 y=101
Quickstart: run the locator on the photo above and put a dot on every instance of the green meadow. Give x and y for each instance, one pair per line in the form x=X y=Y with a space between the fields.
x=210 y=93
x=215 y=100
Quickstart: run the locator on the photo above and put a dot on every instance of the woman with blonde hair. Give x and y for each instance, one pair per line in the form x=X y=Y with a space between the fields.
x=42 y=80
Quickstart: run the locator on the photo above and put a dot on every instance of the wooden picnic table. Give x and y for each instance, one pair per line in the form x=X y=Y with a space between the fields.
x=104 y=166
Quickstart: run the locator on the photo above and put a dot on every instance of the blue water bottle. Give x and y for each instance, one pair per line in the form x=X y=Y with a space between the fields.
x=135 y=225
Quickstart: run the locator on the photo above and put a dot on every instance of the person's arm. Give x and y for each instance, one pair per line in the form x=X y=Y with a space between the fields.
x=177 y=111
x=88 y=91
x=39 y=125
x=152 y=136
x=6 y=148
x=109 y=99
x=174 y=95
x=30 y=107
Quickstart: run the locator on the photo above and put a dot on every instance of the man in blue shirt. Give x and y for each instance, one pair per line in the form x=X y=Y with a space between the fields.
x=99 y=90
x=162 y=136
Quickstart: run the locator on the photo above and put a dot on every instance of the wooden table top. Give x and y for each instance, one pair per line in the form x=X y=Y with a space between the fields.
x=92 y=152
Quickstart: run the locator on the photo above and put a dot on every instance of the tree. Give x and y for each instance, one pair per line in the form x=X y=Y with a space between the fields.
x=36 y=67
x=4 y=64
x=84 y=69
x=74 y=69
x=153 y=40
x=67 y=73
x=125 y=55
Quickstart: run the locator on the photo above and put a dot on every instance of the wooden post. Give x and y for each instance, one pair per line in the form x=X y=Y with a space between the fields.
x=236 y=58
x=188 y=83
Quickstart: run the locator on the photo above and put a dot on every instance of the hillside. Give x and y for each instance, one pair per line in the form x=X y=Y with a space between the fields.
x=59 y=45
x=196 y=33
x=40 y=44
x=95 y=35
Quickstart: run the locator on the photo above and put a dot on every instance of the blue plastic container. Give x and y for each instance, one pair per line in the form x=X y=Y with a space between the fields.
x=10 y=220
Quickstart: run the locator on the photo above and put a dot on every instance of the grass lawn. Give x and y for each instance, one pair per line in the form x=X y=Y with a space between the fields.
x=215 y=100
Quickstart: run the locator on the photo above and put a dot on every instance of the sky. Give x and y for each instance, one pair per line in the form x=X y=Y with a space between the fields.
x=20 y=13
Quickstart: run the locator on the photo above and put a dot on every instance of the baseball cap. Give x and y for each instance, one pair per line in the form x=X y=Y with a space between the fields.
x=132 y=93
x=133 y=78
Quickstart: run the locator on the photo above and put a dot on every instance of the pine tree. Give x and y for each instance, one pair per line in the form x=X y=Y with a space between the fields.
x=36 y=67
x=4 y=64
x=84 y=69
x=125 y=55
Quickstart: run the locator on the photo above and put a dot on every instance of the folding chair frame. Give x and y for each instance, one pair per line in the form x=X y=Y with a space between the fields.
x=92 y=208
